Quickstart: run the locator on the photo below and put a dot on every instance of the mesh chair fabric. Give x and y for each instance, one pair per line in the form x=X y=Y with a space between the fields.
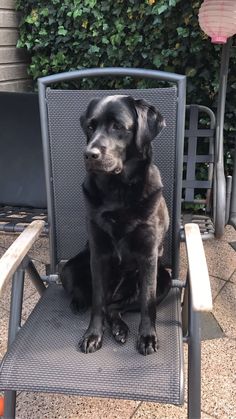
x=67 y=142
x=44 y=357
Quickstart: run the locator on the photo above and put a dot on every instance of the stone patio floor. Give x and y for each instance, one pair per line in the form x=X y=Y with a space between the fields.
x=218 y=348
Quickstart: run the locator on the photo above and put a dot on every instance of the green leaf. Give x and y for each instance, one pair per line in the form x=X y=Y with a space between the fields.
x=93 y=49
x=44 y=12
x=62 y=31
x=183 y=32
x=105 y=40
x=159 y=9
x=43 y=32
x=90 y=3
x=77 y=13
x=157 y=61
x=190 y=72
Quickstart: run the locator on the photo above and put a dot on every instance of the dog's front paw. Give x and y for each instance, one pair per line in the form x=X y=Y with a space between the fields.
x=120 y=331
x=90 y=343
x=147 y=344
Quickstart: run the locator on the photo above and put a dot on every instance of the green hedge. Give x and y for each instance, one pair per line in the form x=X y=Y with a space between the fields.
x=62 y=35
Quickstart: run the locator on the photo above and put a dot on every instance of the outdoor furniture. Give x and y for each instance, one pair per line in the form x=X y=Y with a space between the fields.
x=204 y=182
x=23 y=196
x=232 y=215
x=42 y=356
x=22 y=180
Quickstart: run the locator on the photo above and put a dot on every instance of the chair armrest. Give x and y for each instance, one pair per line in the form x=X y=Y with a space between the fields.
x=197 y=267
x=13 y=257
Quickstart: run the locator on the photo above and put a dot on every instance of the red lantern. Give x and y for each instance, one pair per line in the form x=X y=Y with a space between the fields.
x=217 y=18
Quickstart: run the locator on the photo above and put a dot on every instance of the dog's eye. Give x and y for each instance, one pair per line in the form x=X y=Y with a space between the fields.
x=92 y=125
x=117 y=126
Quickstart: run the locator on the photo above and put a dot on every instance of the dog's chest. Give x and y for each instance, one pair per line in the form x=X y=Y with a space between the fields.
x=121 y=218
x=119 y=209
x=118 y=222
x=116 y=210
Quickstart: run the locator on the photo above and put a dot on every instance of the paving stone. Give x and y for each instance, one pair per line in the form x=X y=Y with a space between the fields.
x=221 y=259
x=158 y=411
x=233 y=245
x=44 y=406
x=4 y=319
x=40 y=250
x=229 y=234
x=29 y=288
x=233 y=278
x=7 y=239
x=183 y=262
x=216 y=276
x=224 y=309
x=216 y=286
x=210 y=328
x=218 y=378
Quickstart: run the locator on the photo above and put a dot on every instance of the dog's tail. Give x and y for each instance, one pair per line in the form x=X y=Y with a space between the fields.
x=163 y=283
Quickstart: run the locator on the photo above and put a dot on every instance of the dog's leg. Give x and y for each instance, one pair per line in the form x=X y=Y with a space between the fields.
x=119 y=328
x=92 y=339
x=147 y=339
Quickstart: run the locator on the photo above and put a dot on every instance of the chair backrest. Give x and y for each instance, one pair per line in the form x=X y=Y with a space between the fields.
x=64 y=144
x=22 y=180
x=199 y=156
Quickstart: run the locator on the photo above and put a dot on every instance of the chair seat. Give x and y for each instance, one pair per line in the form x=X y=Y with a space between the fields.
x=44 y=357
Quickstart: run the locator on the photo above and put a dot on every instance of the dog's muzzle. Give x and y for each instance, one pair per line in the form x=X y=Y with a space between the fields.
x=96 y=160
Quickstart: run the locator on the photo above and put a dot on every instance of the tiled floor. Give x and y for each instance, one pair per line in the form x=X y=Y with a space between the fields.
x=218 y=349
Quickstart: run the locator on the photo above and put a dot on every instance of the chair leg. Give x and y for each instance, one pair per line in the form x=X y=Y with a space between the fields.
x=35 y=277
x=9 y=404
x=14 y=325
x=16 y=304
x=194 y=365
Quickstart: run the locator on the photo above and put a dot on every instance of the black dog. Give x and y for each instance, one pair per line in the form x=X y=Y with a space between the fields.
x=127 y=219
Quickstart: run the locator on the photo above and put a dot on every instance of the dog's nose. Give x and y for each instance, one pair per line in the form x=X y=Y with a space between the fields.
x=93 y=153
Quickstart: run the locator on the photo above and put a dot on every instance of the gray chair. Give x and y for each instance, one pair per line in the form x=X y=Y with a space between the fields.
x=42 y=356
x=22 y=180
x=204 y=201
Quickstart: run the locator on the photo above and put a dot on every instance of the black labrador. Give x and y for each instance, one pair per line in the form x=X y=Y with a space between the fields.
x=127 y=219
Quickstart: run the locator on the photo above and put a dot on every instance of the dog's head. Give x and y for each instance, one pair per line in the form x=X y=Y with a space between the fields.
x=118 y=128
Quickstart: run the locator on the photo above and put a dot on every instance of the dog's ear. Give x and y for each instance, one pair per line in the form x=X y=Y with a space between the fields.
x=150 y=122
x=84 y=117
x=82 y=122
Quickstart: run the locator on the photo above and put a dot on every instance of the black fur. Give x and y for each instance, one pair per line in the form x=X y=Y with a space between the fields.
x=127 y=219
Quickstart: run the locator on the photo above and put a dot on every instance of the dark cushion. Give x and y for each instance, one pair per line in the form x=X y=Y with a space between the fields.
x=22 y=180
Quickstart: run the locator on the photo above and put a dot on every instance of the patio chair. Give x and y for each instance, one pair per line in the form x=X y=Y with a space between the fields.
x=22 y=180
x=42 y=355
x=205 y=201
